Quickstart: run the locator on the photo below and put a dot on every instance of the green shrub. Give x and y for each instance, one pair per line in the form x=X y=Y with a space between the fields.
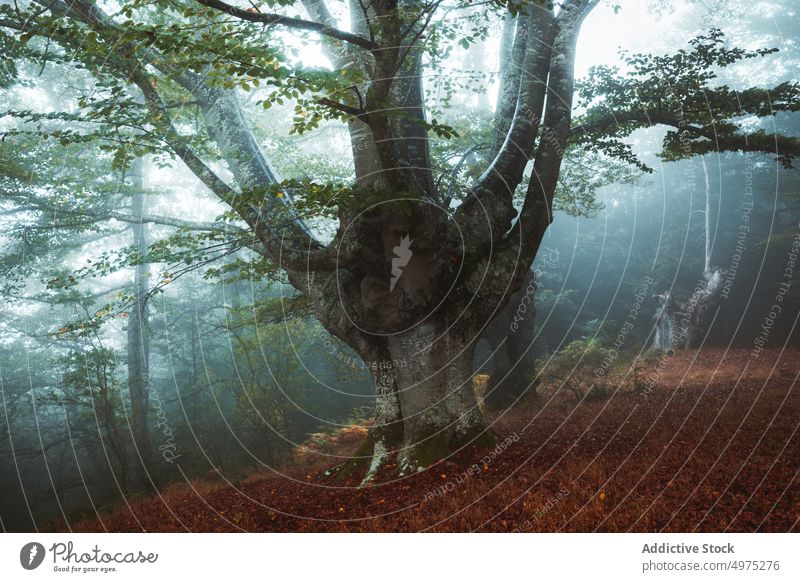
x=573 y=368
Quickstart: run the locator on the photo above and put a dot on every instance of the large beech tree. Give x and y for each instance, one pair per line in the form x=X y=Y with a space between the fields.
x=413 y=275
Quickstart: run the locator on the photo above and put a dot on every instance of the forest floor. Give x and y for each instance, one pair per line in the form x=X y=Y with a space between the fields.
x=713 y=446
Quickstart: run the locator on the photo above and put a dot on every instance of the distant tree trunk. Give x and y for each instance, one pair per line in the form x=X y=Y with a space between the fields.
x=700 y=308
x=510 y=336
x=685 y=325
x=138 y=337
x=705 y=299
x=476 y=62
x=665 y=318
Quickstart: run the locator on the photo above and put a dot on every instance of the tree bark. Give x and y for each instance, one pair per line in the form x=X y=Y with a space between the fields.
x=685 y=325
x=434 y=383
x=512 y=50
x=138 y=340
x=511 y=336
x=665 y=322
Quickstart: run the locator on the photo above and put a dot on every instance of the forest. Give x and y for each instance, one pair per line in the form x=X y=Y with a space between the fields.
x=399 y=265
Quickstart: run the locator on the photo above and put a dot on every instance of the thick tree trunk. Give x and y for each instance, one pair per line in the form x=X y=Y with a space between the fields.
x=426 y=408
x=138 y=341
x=461 y=272
x=387 y=432
x=434 y=369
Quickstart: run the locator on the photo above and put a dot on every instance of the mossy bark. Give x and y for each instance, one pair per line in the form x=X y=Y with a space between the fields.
x=426 y=408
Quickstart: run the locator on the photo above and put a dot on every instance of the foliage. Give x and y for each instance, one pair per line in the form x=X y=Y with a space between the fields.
x=705 y=116
x=573 y=368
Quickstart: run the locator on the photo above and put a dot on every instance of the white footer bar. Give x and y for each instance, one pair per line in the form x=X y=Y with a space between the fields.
x=400 y=557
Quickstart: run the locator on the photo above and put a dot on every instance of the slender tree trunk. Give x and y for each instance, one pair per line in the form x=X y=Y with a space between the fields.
x=665 y=318
x=706 y=297
x=138 y=344
x=707 y=216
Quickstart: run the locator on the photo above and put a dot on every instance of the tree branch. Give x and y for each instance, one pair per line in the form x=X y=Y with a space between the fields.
x=352 y=111
x=489 y=210
x=705 y=139
x=176 y=222
x=297 y=23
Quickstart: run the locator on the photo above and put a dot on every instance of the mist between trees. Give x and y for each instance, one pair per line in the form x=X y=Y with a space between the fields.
x=201 y=206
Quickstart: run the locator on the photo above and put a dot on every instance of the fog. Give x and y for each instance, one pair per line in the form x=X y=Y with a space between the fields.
x=103 y=227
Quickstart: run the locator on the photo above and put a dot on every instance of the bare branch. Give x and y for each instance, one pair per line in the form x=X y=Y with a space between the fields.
x=352 y=111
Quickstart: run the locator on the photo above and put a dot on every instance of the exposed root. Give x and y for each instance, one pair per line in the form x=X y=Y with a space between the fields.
x=379 y=456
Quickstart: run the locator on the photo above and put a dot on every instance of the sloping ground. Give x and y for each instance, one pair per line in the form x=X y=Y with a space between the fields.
x=714 y=446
